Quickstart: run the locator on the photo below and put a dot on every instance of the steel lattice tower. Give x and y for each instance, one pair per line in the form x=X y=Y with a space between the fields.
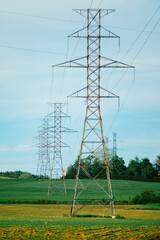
x=114 y=152
x=57 y=172
x=93 y=137
x=43 y=166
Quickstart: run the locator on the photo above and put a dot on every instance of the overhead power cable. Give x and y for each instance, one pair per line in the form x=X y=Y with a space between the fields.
x=141 y=46
x=142 y=32
x=37 y=16
x=32 y=50
x=132 y=29
x=100 y=3
x=132 y=63
x=146 y=40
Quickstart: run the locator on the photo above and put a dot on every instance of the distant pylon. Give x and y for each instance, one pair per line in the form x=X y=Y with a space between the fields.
x=43 y=166
x=107 y=148
x=57 y=171
x=114 y=152
x=93 y=137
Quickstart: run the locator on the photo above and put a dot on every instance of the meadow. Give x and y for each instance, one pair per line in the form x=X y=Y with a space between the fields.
x=35 y=191
x=53 y=221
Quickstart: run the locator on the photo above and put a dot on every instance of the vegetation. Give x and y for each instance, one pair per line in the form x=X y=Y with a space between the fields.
x=138 y=169
x=146 y=197
x=35 y=191
x=17 y=175
x=51 y=222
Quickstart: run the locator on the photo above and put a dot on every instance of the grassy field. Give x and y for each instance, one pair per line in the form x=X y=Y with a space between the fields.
x=23 y=191
x=53 y=221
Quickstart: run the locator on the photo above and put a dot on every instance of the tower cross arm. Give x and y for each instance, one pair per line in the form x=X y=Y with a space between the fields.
x=72 y=63
x=62 y=144
x=68 y=130
x=76 y=94
x=80 y=34
x=110 y=63
x=83 y=12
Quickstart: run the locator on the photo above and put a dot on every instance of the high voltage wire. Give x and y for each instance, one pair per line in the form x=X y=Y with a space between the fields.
x=132 y=29
x=91 y=3
x=32 y=50
x=146 y=40
x=37 y=16
x=100 y=3
x=142 y=31
x=49 y=52
x=65 y=20
x=135 y=43
x=134 y=60
x=64 y=71
x=148 y=65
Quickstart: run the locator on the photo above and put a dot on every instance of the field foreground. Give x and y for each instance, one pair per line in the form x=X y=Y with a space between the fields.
x=28 y=221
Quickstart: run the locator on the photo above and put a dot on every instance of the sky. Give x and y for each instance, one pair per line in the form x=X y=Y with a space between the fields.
x=34 y=37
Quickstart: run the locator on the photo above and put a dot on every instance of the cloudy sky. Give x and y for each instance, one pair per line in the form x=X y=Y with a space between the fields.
x=34 y=36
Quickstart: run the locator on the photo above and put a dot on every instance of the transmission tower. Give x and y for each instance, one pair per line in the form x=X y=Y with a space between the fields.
x=93 y=144
x=57 y=172
x=43 y=166
x=114 y=152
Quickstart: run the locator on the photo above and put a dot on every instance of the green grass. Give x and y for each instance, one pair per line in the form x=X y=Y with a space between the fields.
x=23 y=191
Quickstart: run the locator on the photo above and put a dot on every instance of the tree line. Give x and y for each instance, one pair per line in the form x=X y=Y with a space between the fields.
x=137 y=169
x=17 y=175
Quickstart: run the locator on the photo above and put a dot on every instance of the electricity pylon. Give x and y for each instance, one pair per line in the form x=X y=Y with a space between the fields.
x=43 y=166
x=93 y=146
x=57 y=171
x=114 y=151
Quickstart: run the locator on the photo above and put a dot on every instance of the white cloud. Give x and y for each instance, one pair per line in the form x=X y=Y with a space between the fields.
x=18 y=148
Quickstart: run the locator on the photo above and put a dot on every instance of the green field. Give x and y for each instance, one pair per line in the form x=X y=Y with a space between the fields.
x=23 y=191
x=53 y=221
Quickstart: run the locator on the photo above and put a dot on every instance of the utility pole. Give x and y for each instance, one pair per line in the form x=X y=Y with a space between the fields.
x=93 y=141
x=57 y=172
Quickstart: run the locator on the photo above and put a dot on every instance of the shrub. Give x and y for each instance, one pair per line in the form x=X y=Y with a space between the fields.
x=146 y=197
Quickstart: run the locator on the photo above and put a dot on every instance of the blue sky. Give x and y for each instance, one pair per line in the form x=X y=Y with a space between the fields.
x=34 y=37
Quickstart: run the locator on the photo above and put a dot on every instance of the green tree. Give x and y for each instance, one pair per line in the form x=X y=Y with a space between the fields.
x=25 y=175
x=134 y=170
x=157 y=165
x=158 y=160
x=71 y=172
x=95 y=168
x=90 y=165
x=117 y=168
x=147 y=169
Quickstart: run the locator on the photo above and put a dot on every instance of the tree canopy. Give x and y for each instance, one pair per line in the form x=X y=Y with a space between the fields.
x=137 y=169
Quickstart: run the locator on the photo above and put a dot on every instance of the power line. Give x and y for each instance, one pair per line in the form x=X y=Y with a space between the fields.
x=132 y=29
x=148 y=65
x=37 y=16
x=100 y=3
x=142 y=32
x=133 y=62
x=32 y=50
x=134 y=44
x=91 y=3
x=146 y=40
